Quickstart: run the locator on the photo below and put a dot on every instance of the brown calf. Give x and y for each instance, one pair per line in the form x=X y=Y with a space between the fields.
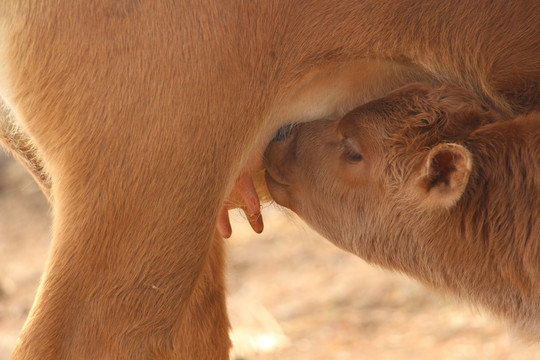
x=144 y=113
x=429 y=182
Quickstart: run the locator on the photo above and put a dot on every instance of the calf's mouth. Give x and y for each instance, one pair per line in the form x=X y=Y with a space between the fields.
x=279 y=162
x=279 y=156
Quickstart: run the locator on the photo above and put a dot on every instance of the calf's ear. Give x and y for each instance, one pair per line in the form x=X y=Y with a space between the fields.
x=444 y=175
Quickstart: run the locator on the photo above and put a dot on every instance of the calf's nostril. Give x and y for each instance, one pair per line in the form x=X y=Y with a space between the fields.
x=284 y=132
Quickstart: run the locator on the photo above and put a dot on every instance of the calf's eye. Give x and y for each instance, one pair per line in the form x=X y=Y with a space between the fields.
x=350 y=150
x=354 y=157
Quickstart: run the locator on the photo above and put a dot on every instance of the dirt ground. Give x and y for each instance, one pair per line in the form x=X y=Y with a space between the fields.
x=292 y=295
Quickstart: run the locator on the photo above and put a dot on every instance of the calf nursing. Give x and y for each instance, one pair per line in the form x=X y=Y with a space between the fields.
x=429 y=182
x=138 y=116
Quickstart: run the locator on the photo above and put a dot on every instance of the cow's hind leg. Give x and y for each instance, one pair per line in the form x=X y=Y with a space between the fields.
x=142 y=144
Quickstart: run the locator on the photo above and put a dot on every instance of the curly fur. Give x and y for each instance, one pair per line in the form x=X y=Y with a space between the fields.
x=482 y=245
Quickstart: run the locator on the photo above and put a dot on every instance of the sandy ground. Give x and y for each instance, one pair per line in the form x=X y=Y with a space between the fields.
x=292 y=295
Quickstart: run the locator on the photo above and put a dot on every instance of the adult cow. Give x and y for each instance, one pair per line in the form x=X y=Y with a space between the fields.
x=145 y=112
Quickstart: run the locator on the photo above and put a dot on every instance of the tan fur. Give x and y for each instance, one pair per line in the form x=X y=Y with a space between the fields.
x=144 y=112
x=444 y=191
x=20 y=145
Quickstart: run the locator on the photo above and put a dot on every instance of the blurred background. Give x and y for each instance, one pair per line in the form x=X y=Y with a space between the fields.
x=292 y=295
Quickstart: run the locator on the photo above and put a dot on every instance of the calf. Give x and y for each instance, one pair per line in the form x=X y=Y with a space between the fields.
x=429 y=182
x=139 y=117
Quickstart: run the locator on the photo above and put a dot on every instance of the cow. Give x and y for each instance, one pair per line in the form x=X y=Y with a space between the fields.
x=139 y=116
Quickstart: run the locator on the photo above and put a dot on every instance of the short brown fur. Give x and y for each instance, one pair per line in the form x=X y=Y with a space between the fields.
x=144 y=112
x=445 y=191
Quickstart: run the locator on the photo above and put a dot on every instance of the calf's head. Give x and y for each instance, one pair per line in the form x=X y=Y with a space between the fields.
x=387 y=169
